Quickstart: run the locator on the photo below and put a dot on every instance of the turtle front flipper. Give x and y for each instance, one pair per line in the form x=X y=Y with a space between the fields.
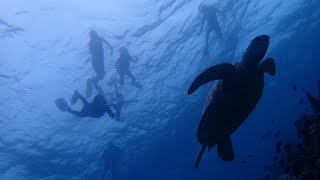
x=225 y=149
x=268 y=66
x=220 y=71
x=203 y=148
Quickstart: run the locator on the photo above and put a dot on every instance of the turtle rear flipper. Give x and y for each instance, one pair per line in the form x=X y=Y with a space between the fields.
x=62 y=104
x=225 y=149
x=268 y=66
x=220 y=71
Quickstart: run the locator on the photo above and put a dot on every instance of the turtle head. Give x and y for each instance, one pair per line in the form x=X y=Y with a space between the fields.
x=256 y=50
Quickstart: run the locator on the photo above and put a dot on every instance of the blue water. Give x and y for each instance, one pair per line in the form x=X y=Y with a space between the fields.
x=48 y=58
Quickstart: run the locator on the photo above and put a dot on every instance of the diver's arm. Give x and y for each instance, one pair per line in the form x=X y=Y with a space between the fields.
x=77 y=113
x=109 y=111
x=116 y=89
x=109 y=46
x=134 y=59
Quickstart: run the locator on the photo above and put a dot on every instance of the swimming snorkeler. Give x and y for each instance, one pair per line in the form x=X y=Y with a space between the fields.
x=97 y=55
x=123 y=65
x=208 y=14
x=96 y=109
x=111 y=159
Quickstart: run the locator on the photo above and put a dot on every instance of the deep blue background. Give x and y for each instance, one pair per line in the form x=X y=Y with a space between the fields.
x=156 y=137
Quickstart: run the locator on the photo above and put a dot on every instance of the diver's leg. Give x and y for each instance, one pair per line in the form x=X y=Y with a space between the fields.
x=98 y=66
x=121 y=77
x=206 y=48
x=75 y=97
x=217 y=30
x=84 y=101
x=119 y=112
x=109 y=111
x=76 y=113
x=208 y=32
x=89 y=88
x=95 y=82
x=131 y=76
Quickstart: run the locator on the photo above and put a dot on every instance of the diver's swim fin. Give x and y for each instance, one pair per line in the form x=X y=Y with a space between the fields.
x=196 y=164
x=62 y=104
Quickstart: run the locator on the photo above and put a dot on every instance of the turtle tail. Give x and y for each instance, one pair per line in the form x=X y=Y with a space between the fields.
x=203 y=148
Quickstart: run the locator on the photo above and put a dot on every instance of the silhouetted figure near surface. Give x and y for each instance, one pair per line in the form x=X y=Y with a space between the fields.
x=208 y=14
x=123 y=66
x=97 y=55
x=96 y=109
x=119 y=103
x=111 y=157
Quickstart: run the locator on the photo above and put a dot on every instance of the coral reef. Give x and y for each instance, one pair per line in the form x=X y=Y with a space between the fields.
x=302 y=161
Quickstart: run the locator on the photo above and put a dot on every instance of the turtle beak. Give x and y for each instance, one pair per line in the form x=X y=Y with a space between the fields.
x=263 y=38
x=261 y=41
x=257 y=48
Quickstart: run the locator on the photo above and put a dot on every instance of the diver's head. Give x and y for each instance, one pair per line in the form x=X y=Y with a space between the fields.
x=201 y=7
x=93 y=34
x=99 y=99
x=123 y=51
x=256 y=50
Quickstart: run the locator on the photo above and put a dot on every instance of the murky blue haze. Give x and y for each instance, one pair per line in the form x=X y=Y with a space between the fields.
x=44 y=55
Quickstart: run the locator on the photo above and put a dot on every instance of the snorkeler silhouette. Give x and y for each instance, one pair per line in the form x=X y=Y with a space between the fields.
x=208 y=14
x=119 y=102
x=96 y=109
x=111 y=157
x=97 y=55
x=123 y=65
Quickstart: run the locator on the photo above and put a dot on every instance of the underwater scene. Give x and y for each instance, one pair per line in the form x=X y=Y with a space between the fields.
x=159 y=90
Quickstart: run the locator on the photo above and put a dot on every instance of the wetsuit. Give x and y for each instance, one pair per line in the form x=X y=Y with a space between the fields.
x=97 y=55
x=210 y=16
x=94 y=109
x=123 y=65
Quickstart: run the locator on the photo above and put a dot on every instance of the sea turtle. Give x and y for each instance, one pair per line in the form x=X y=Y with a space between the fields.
x=233 y=98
